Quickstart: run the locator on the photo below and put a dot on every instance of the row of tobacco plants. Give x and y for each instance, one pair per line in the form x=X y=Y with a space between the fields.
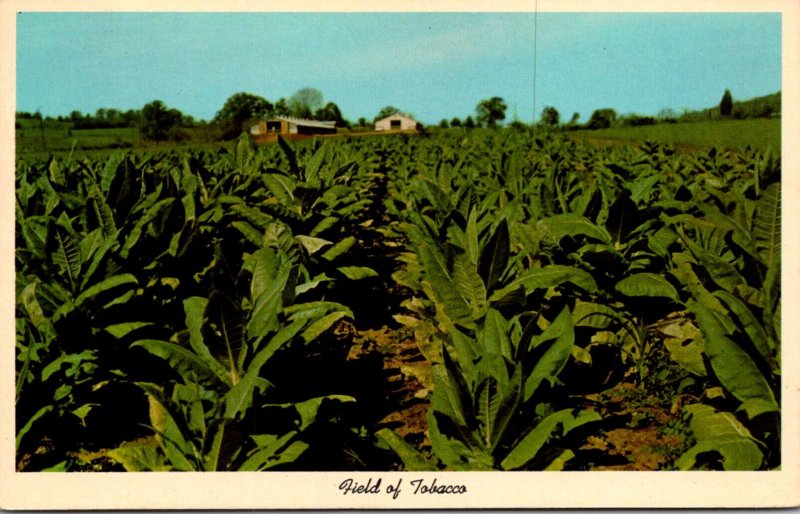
x=193 y=311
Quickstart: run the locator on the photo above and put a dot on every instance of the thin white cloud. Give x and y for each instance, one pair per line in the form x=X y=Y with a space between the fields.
x=489 y=38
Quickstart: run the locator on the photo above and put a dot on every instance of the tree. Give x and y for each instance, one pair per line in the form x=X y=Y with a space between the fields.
x=766 y=110
x=455 y=122
x=667 y=114
x=469 y=123
x=726 y=104
x=491 y=111
x=550 y=116
x=305 y=102
x=131 y=118
x=331 y=112
x=517 y=124
x=386 y=112
x=575 y=117
x=238 y=110
x=159 y=123
x=443 y=124
x=602 y=118
x=281 y=108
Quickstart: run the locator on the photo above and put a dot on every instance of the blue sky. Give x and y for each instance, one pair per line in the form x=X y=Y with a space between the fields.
x=433 y=65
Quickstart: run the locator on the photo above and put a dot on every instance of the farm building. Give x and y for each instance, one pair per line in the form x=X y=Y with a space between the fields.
x=396 y=122
x=287 y=125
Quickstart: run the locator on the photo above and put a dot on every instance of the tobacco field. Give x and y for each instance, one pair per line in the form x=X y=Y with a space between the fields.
x=467 y=300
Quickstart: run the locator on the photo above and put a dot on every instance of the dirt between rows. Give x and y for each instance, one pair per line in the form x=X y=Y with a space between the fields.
x=407 y=374
x=637 y=433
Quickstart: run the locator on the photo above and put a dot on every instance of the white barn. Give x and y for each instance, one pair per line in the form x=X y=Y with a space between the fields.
x=290 y=125
x=396 y=122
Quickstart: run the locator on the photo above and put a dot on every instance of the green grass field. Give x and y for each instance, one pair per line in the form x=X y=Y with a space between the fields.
x=61 y=137
x=762 y=133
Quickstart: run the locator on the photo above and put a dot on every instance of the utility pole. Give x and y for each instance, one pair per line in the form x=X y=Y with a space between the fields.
x=535 y=36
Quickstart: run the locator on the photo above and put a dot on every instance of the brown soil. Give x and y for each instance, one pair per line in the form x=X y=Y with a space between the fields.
x=408 y=376
x=640 y=445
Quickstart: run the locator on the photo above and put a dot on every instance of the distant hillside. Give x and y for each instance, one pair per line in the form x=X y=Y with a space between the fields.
x=762 y=106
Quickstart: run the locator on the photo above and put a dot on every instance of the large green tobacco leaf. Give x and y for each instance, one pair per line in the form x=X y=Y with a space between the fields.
x=623 y=217
x=451 y=393
x=33 y=230
x=314 y=165
x=561 y=225
x=226 y=338
x=243 y=153
x=103 y=286
x=212 y=445
x=412 y=459
x=281 y=186
x=494 y=338
x=459 y=290
x=594 y=315
x=290 y=156
x=647 y=284
x=720 y=432
x=685 y=345
x=452 y=426
x=554 y=347
x=273 y=450
x=34 y=310
x=102 y=211
x=307 y=410
x=63 y=249
x=312 y=244
x=641 y=189
x=732 y=365
x=179 y=451
x=469 y=286
x=75 y=361
x=457 y=448
x=549 y=276
x=752 y=327
x=239 y=399
x=357 y=272
x=321 y=325
x=767 y=224
x=26 y=428
x=721 y=271
x=684 y=272
x=339 y=248
x=526 y=449
x=496 y=398
x=143 y=223
x=269 y=276
x=494 y=256
x=184 y=361
x=470 y=238
x=139 y=458
x=195 y=317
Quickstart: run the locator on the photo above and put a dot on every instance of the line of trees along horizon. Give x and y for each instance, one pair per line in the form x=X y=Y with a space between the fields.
x=158 y=122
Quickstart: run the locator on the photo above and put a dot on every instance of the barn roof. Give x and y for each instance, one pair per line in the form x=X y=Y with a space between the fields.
x=305 y=122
